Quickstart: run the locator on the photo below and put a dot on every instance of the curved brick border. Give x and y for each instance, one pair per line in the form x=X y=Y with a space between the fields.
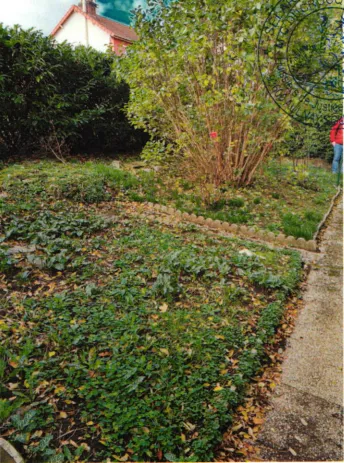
x=9 y=453
x=239 y=230
x=322 y=223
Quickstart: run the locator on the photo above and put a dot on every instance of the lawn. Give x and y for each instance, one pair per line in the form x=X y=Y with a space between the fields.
x=123 y=337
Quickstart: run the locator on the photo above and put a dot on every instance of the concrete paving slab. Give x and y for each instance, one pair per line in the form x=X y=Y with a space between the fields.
x=312 y=380
x=307 y=428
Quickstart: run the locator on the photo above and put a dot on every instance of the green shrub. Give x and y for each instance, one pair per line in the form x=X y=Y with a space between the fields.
x=182 y=89
x=59 y=98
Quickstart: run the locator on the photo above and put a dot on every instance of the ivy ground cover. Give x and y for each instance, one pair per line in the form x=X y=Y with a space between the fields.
x=124 y=338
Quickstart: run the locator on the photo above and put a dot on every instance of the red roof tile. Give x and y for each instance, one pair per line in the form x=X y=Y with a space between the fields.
x=117 y=29
x=114 y=28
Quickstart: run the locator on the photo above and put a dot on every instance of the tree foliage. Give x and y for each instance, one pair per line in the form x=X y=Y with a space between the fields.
x=314 y=142
x=55 y=95
x=195 y=82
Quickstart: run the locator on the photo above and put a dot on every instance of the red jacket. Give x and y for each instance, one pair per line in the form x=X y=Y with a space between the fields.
x=336 y=133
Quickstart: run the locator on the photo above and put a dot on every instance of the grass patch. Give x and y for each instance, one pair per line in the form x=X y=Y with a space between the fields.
x=127 y=339
x=301 y=227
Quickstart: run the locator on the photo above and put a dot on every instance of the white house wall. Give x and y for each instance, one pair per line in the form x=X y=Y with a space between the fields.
x=73 y=31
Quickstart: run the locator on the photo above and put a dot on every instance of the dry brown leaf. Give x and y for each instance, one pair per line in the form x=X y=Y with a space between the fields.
x=163 y=307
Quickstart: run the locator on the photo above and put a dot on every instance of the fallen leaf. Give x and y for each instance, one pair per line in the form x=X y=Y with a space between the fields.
x=292 y=451
x=189 y=426
x=12 y=386
x=258 y=420
x=86 y=447
x=218 y=388
x=164 y=351
x=63 y=415
x=163 y=308
x=124 y=458
x=59 y=389
x=237 y=427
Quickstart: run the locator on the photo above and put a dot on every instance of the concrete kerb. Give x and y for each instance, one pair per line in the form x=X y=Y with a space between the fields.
x=243 y=231
x=8 y=453
x=322 y=223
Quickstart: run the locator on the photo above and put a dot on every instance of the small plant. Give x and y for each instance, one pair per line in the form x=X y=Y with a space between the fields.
x=7 y=262
x=6 y=409
x=54 y=144
x=236 y=202
x=217 y=205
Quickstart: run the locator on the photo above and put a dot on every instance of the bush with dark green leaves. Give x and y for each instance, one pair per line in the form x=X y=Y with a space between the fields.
x=60 y=98
x=305 y=141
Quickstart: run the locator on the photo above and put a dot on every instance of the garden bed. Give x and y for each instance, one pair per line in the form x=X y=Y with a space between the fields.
x=126 y=338
x=280 y=201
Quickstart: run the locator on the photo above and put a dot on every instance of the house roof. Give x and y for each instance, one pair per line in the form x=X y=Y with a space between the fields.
x=113 y=28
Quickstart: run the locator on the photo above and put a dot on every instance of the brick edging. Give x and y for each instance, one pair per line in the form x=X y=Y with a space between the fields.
x=242 y=231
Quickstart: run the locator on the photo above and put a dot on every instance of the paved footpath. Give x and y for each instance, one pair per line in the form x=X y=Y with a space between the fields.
x=306 y=420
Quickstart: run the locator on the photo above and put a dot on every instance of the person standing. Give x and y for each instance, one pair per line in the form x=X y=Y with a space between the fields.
x=336 y=138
